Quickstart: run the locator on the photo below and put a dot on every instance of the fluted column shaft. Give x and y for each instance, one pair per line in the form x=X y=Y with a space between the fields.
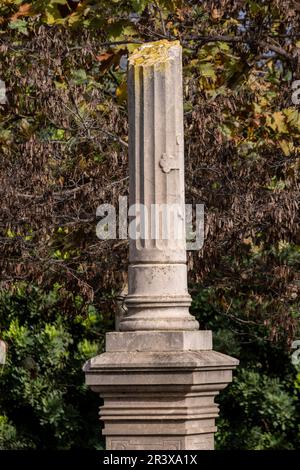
x=157 y=298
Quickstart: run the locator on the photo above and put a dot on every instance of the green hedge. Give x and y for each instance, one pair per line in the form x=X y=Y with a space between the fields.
x=44 y=402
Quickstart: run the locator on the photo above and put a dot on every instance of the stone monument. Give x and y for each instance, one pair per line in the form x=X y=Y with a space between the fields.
x=159 y=375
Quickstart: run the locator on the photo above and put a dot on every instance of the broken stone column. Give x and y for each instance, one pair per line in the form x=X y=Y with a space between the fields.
x=159 y=375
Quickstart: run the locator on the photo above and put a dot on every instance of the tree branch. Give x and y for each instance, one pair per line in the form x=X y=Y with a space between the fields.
x=218 y=38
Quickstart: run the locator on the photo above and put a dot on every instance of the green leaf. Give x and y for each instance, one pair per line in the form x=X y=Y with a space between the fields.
x=293 y=117
x=20 y=26
x=139 y=5
x=79 y=76
x=277 y=122
x=207 y=70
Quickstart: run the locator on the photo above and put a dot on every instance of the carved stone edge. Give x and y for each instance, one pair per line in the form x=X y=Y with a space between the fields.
x=158 y=361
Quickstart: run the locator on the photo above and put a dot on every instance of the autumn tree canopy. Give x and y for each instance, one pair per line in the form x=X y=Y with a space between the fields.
x=63 y=152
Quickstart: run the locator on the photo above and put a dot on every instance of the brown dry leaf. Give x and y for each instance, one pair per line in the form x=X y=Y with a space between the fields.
x=216 y=14
x=297 y=5
x=109 y=59
x=18 y=268
x=104 y=56
x=24 y=10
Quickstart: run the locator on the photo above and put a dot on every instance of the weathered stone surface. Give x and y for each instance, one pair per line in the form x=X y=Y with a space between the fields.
x=161 y=399
x=158 y=298
x=159 y=375
x=206 y=360
x=159 y=340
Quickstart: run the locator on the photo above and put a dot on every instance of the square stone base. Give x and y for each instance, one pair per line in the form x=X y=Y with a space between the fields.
x=159 y=389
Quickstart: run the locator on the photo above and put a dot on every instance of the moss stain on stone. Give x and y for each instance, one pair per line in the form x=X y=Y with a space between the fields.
x=153 y=53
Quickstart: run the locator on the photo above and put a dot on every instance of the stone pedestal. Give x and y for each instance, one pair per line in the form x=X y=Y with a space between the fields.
x=159 y=374
x=159 y=389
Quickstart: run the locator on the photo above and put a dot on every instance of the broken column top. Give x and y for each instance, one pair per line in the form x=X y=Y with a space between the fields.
x=152 y=53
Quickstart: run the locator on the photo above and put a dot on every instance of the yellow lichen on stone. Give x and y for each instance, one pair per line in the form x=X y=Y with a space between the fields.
x=152 y=53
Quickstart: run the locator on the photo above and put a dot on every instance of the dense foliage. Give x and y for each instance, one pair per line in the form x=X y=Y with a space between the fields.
x=63 y=151
x=43 y=395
